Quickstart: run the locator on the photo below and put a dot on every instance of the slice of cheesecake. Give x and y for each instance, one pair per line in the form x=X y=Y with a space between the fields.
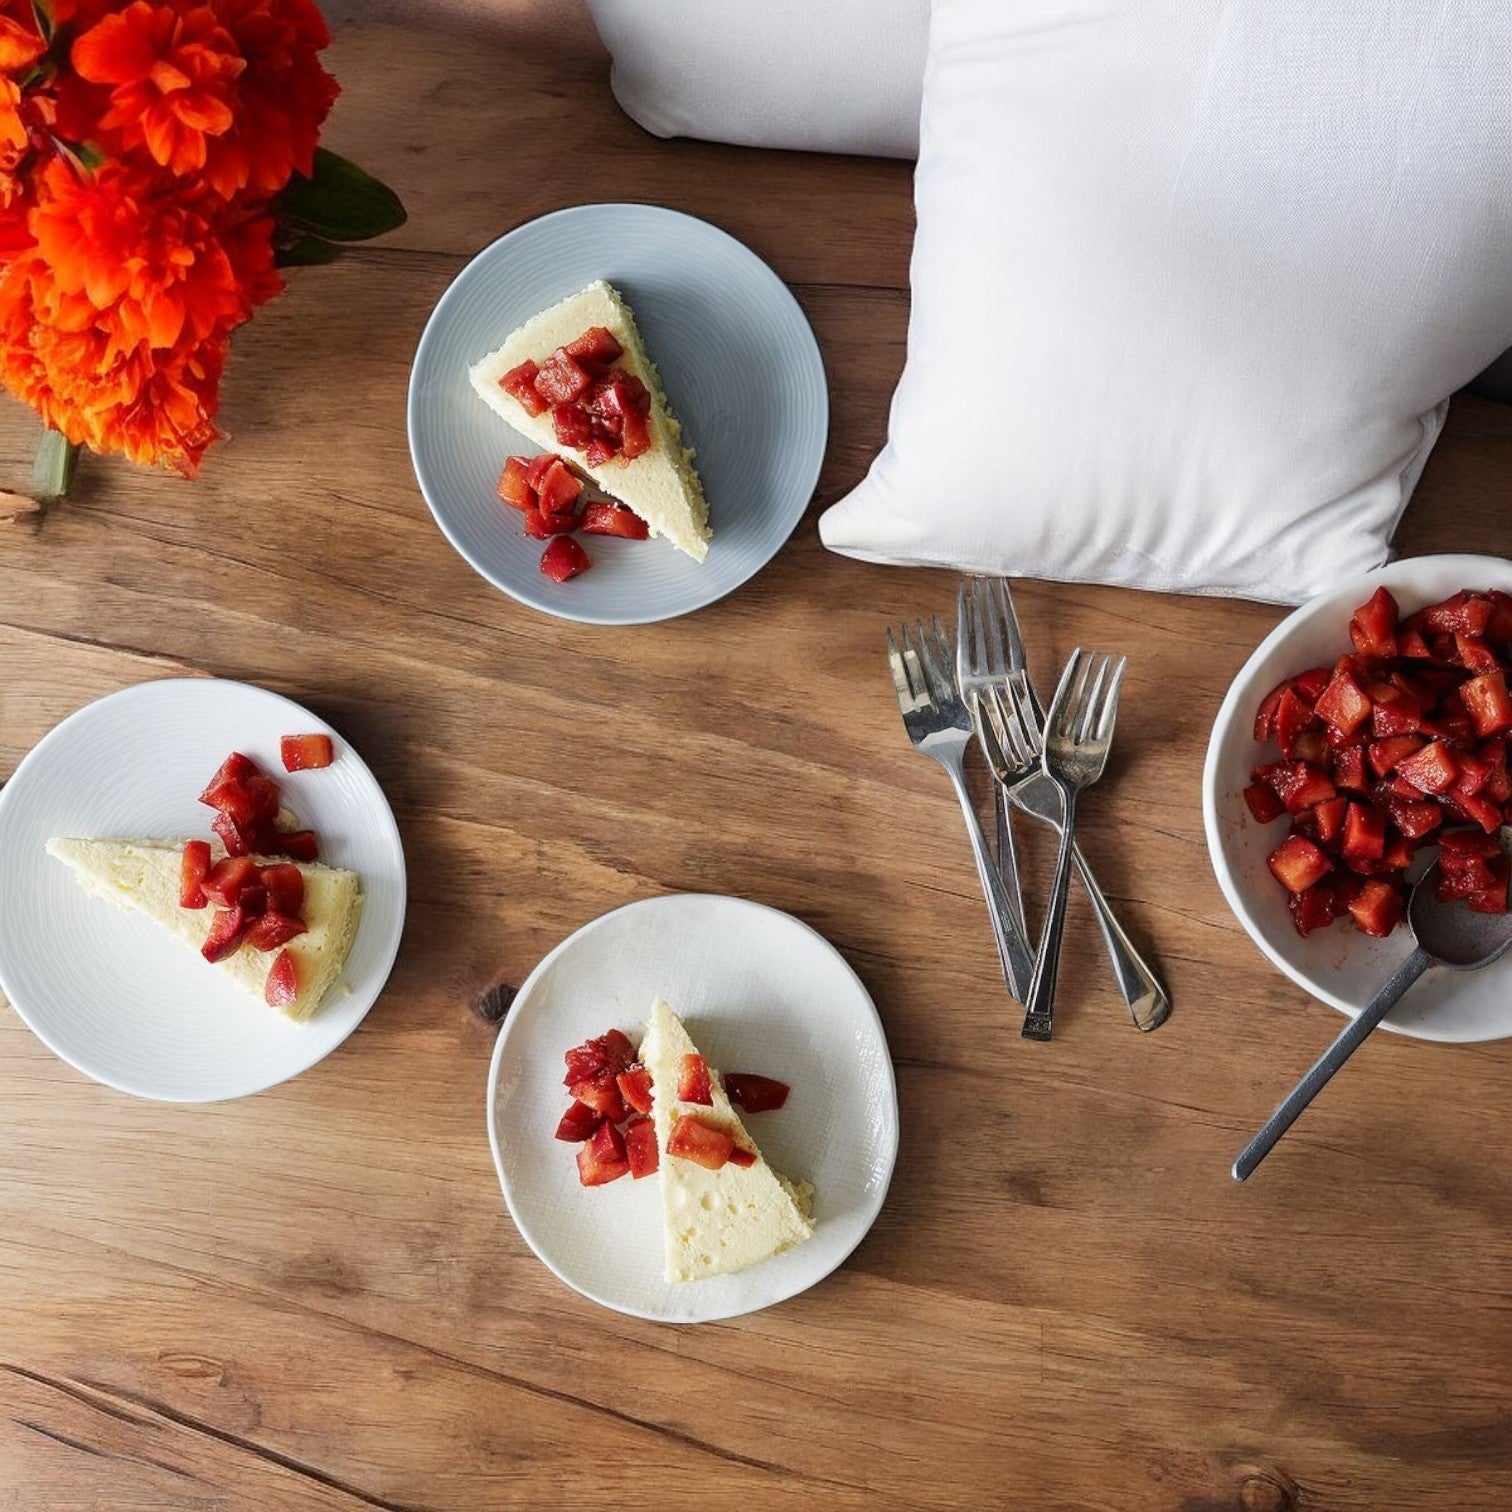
x=716 y=1221
x=660 y=485
x=143 y=876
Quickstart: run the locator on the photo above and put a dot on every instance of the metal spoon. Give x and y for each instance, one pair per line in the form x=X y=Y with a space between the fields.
x=1446 y=934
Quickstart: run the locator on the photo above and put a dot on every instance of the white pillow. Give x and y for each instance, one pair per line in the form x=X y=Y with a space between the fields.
x=827 y=75
x=1191 y=287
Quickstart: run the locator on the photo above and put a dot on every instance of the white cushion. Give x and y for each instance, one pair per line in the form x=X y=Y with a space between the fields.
x=827 y=75
x=1191 y=287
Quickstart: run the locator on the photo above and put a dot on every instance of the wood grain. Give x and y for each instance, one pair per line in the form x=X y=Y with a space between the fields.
x=313 y=1298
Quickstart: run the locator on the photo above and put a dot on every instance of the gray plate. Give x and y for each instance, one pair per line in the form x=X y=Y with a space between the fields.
x=740 y=366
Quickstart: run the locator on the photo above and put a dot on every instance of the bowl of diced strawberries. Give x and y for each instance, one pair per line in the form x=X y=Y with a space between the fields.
x=1367 y=735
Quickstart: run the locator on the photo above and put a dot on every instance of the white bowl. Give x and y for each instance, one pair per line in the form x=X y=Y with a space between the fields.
x=1338 y=964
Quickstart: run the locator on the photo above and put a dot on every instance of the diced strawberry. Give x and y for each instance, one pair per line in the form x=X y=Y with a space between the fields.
x=1397 y=856
x=286 y=888
x=1377 y=909
x=740 y=1156
x=561 y=379
x=231 y=834
x=1475 y=655
x=571 y=426
x=225 y=882
x=1386 y=755
x=1263 y=803
x=1265 y=715
x=755 y=1094
x=1499 y=626
x=304 y=753
x=1314 y=907
x=693 y=1082
x=1462 y=613
x=1364 y=833
x=692 y=1140
x=514 y=489
x=564 y=559
x=637 y=437
x=640 y=1148
x=635 y=1087
x=1297 y=863
x=519 y=383
x=602 y=1094
x=1328 y=818
x=269 y=931
x=1459 y=846
x=543 y=527
x=537 y=468
x=596 y=346
x=559 y=490
x=599 y=452
x=282 y=986
x=1373 y=625
x=225 y=933
x=1311 y=745
x=1488 y=703
x=1431 y=770
x=193 y=870
x=618 y=1050
x=1478 y=810
x=1349 y=768
x=1310 y=684
x=1473 y=772
x=603 y=1158
x=584 y=1062
x=1292 y=717
x=578 y=1123
x=235 y=769
x=1410 y=643
x=1414 y=819
x=301 y=845
x=613 y=520
x=1308 y=785
x=1343 y=704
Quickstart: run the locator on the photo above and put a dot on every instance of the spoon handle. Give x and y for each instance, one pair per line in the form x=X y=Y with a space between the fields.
x=1350 y=1039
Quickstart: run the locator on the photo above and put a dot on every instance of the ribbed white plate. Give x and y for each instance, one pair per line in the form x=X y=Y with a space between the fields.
x=740 y=367
x=111 y=992
x=759 y=991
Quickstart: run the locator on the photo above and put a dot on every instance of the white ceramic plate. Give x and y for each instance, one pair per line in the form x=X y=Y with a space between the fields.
x=759 y=991
x=110 y=991
x=1339 y=965
x=740 y=367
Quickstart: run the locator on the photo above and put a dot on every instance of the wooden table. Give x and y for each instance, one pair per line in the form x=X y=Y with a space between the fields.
x=313 y=1298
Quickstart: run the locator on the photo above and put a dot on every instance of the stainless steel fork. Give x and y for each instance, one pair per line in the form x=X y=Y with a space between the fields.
x=1077 y=736
x=939 y=725
x=986 y=605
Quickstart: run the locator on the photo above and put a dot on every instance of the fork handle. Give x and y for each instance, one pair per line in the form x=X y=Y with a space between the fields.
x=1012 y=947
x=1149 y=1003
x=1039 y=1005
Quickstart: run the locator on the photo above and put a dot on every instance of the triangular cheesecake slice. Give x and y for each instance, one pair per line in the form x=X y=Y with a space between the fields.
x=143 y=876
x=717 y=1221
x=660 y=485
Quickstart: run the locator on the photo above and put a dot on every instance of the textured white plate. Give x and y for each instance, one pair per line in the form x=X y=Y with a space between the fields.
x=740 y=367
x=759 y=991
x=1339 y=965
x=111 y=992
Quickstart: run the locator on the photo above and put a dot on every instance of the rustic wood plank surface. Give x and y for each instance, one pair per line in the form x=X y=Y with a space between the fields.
x=314 y=1299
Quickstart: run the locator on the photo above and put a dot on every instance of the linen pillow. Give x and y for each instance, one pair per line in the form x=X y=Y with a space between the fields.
x=833 y=76
x=1191 y=287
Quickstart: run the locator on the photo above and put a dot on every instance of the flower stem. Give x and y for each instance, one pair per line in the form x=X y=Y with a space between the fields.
x=53 y=468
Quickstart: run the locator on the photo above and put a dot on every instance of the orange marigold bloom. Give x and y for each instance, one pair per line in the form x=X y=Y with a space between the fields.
x=21 y=42
x=172 y=74
x=283 y=97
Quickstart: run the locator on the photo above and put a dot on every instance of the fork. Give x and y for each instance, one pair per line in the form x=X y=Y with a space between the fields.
x=939 y=725
x=1078 y=732
x=985 y=655
x=991 y=623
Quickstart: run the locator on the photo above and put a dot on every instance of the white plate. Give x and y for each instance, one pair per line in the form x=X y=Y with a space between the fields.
x=759 y=991
x=110 y=991
x=740 y=367
x=1338 y=964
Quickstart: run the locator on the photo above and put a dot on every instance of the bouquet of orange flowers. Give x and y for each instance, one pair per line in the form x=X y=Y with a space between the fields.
x=158 y=164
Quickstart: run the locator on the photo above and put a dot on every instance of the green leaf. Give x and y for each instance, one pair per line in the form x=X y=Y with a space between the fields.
x=43 y=13
x=340 y=202
x=307 y=252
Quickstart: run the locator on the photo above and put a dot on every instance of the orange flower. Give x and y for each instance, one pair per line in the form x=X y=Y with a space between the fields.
x=283 y=97
x=172 y=75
